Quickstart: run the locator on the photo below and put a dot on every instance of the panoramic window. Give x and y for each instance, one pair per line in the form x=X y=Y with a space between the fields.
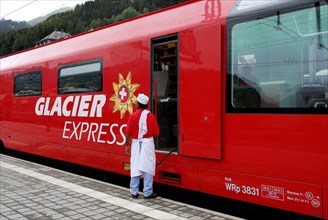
x=28 y=83
x=80 y=77
x=281 y=61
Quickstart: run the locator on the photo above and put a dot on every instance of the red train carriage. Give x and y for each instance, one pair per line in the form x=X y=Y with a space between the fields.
x=240 y=90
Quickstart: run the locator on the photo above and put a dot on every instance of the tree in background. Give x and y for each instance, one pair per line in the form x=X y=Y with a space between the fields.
x=90 y=15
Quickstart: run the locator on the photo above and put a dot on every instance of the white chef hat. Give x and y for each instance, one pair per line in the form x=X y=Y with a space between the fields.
x=142 y=99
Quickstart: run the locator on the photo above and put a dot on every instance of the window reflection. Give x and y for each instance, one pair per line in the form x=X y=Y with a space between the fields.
x=281 y=61
x=28 y=84
x=80 y=78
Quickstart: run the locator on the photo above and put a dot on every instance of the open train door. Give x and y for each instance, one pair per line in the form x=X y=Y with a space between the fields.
x=200 y=92
x=164 y=85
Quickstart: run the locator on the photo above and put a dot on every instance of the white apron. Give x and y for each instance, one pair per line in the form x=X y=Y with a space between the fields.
x=143 y=150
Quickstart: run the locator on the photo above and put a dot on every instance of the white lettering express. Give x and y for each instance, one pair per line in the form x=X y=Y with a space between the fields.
x=99 y=133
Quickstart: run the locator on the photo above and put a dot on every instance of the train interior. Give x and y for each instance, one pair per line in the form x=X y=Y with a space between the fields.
x=165 y=91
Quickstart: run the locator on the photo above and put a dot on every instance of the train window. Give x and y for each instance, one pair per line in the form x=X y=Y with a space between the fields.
x=28 y=83
x=80 y=77
x=281 y=61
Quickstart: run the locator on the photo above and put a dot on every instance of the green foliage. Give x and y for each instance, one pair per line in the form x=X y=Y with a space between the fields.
x=127 y=13
x=90 y=15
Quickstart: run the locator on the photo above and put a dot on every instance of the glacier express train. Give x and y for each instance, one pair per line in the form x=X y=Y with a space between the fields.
x=239 y=89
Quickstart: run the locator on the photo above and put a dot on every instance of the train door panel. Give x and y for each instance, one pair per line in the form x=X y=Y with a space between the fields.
x=200 y=92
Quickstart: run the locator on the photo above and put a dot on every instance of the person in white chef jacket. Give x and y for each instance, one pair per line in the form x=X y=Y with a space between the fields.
x=142 y=127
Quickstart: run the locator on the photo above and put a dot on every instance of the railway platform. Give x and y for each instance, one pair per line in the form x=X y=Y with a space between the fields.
x=33 y=191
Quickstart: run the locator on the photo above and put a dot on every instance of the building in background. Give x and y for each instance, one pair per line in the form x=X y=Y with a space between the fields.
x=56 y=35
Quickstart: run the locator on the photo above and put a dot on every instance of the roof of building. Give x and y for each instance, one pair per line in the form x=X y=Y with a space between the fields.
x=56 y=35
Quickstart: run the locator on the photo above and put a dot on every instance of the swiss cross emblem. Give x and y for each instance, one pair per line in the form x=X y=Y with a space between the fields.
x=123 y=96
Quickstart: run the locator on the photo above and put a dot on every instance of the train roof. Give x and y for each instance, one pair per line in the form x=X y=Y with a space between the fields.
x=172 y=19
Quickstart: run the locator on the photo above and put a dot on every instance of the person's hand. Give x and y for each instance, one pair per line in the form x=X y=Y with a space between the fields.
x=127 y=150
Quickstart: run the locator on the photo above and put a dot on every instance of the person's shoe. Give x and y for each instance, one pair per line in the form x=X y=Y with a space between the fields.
x=152 y=196
x=135 y=196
